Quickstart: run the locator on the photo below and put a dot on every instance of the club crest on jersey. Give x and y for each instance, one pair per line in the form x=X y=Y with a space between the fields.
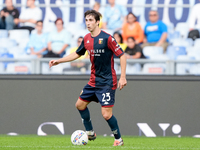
x=81 y=92
x=100 y=41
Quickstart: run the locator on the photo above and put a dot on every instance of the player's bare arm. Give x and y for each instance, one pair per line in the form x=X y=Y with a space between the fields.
x=70 y=57
x=122 y=81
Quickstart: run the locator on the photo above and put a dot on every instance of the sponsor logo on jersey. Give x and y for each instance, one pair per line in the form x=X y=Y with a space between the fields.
x=101 y=41
x=96 y=52
x=88 y=41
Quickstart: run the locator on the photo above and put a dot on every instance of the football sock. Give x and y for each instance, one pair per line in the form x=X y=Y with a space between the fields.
x=112 y=122
x=85 y=115
x=120 y=139
x=90 y=132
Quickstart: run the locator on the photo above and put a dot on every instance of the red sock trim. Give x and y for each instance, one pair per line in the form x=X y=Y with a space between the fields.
x=108 y=106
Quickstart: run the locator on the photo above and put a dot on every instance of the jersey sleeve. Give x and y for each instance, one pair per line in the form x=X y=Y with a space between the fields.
x=81 y=49
x=114 y=46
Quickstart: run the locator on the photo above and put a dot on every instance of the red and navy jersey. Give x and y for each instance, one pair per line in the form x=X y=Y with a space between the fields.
x=101 y=49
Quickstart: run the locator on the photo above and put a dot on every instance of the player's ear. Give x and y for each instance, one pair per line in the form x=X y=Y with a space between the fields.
x=98 y=22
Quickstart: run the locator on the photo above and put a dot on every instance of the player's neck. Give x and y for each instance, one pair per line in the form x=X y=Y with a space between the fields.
x=95 y=32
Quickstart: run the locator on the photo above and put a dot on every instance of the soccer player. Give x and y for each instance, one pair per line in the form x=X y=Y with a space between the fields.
x=103 y=81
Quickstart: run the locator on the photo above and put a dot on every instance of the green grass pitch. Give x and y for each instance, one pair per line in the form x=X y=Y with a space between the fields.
x=53 y=142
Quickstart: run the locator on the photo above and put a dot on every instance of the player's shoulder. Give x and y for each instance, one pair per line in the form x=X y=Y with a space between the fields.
x=88 y=35
x=105 y=35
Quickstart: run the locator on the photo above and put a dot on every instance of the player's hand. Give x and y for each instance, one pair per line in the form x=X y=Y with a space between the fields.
x=53 y=63
x=122 y=82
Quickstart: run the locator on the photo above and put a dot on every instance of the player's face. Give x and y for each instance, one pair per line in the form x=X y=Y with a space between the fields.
x=91 y=23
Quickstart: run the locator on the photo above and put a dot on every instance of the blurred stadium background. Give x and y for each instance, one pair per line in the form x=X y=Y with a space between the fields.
x=183 y=53
x=32 y=102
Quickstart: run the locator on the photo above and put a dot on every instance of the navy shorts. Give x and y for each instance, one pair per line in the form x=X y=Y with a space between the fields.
x=105 y=95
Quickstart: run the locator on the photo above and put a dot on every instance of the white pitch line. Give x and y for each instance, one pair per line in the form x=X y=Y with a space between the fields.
x=88 y=147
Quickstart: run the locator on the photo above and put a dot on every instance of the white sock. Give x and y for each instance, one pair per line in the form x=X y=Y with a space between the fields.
x=91 y=132
x=120 y=139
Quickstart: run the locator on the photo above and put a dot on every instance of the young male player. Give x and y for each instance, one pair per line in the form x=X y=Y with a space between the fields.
x=103 y=81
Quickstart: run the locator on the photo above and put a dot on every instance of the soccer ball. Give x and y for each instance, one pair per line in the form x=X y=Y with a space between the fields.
x=79 y=137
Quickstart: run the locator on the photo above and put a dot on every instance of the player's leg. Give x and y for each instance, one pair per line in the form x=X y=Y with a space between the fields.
x=85 y=115
x=86 y=96
x=112 y=122
x=81 y=105
x=106 y=97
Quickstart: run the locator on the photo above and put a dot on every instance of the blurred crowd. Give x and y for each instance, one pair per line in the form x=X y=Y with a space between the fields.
x=137 y=42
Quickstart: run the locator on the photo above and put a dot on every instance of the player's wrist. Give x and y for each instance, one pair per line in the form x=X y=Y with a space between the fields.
x=122 y=77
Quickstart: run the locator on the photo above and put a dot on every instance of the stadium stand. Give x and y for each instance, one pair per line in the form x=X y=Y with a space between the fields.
x=152 y=51
x=13 y=44
x=21 y=36
x=182 y=28
x=3 y=33
x=174 y=51
x=154 y=68
x=19 y=68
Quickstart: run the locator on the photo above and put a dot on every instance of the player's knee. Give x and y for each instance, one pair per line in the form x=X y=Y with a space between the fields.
x=106 y=115
x=80 y=105
x=77 y=105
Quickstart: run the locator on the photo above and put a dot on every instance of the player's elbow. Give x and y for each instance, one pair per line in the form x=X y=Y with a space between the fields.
x=122 y=57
